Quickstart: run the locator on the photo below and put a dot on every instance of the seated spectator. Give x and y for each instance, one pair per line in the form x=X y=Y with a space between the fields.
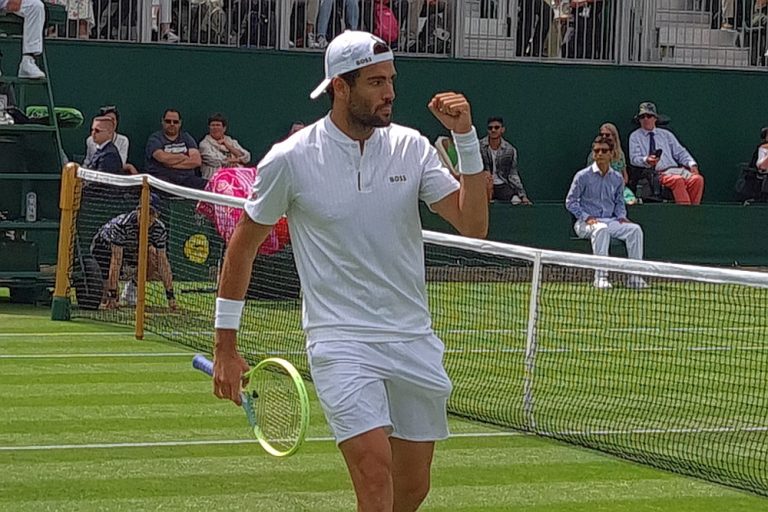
x=618 y=161
x=115 y=247
x=120 y=141
x=756 y=34
x=105 y=157
x=33 y=12
x=596 y=201
x=760 y=156
x=217 y=149
x=658 y=149
x=500 y=159
x=172 y=155
x=446 y=151
x=351 y=15
x=436 y=31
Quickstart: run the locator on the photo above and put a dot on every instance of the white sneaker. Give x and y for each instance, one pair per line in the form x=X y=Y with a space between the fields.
x=128 y=297
x=310 y=41
x=28 y=68
x=637 y=283
x=321 y=42
x=170 y=37
x=602 y=283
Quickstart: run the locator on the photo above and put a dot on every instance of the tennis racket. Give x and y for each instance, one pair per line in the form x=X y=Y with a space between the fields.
x=275 y=402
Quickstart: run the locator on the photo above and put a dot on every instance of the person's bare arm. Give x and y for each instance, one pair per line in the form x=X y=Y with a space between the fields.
x=115 y=263
x=13 y=6
x=164 y=267
x=233 y=283
x=467 y=208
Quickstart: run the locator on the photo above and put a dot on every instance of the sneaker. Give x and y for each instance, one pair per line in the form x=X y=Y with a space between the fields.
x=602 y=283
x=310 y=41
x=170 y=37
x=128 y=297
x=637 y=283
x=726 y=26
x=28 y=68
x=321 y=42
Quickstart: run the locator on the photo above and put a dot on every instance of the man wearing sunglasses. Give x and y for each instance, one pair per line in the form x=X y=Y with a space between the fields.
x=658 y=149
x=105 y=157
x=172 y=155
x=596 y=200
x=500 y=160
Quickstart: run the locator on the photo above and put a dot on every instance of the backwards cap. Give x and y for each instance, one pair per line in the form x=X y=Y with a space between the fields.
x=351 y=50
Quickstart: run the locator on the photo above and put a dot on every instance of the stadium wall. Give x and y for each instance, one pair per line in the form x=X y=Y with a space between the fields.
x=552 y=111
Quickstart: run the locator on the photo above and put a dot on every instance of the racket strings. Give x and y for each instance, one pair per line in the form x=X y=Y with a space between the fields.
x=277 y=407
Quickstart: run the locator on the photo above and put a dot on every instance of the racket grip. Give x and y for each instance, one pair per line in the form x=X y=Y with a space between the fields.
x=202 y=363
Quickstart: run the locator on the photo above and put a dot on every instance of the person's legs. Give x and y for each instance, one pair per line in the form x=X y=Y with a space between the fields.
x=631 y=234
x=369 y=460
x=33 y=12
x=502 y=192
x=676 y=184
x=352 y=14
x=411 y=466
x=695 y=187
x=323 y=19
x=414 y=12
x=600 y=239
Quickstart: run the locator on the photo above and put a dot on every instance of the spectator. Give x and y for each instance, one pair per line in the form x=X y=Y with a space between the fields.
x=596 y=201
x=115 y=249
x=81 y=13
x=446 y=151
x=172 y=155
x=618 y=160
x=33 y=12
x=105 y=157
x=310 y=15
x=760 y=157
x=500 y=159
x=756 y=34
x=351 y=15
x=655 y=148
x=434 y=30
x=120 y=141
x=217 y=149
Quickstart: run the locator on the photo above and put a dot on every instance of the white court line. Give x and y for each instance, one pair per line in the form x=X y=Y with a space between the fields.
x=58 y=334
x=96 y=446
x=212 y=442
x=78 y=356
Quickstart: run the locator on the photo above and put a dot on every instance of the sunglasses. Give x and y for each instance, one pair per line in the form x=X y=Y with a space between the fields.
x=96 y=130
x=606 y=135
x=171 y=121
x=645 y=116
x=597 y=151
x=495 y=127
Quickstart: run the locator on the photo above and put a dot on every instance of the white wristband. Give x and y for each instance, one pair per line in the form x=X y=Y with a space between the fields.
x=228 y=313
x=468 y=149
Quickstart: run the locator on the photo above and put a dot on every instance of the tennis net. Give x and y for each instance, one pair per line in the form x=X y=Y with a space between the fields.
x=671 y=375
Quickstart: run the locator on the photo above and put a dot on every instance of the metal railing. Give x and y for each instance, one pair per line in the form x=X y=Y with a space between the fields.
x=716 y=33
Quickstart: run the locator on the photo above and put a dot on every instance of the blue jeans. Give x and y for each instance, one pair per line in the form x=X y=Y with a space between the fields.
x=351 y=16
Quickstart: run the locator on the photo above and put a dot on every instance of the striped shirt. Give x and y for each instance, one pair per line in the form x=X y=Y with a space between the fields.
x=123 y=231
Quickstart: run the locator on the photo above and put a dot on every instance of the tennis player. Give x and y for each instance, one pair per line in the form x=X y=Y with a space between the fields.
x=350 y=185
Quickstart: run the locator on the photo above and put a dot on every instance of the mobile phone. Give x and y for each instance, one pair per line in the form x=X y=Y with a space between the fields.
x=658 y=153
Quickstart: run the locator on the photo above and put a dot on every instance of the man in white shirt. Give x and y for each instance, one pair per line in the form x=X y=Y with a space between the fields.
x=350 y=185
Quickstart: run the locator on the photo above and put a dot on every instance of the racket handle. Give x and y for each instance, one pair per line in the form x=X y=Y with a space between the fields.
x=202 y=363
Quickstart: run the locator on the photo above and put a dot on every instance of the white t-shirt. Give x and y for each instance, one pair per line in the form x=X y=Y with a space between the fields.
x=355 y=227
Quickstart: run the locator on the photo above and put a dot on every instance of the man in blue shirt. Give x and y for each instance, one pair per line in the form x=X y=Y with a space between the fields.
x=596 y=200
x=654 y=148
x=172 y=154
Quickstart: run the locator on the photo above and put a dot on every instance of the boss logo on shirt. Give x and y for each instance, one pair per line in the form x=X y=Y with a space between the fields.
x=397 y=179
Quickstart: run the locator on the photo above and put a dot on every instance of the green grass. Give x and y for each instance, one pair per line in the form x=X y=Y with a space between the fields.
x=116 y=390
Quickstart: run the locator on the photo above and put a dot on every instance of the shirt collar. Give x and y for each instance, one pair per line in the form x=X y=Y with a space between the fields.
x=101 y=146
x=336 y=134
x=594 y=167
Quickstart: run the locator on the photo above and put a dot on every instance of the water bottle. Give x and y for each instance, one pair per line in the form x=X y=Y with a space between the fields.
x=31 y=207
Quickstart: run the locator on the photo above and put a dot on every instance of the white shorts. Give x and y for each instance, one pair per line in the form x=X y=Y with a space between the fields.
x=402 y=387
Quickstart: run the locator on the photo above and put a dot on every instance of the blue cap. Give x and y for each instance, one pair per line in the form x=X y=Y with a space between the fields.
x=154 y=202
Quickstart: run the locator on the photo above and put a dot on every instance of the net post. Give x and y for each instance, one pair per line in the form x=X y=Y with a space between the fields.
x=531 y=344
x=68 y=203
x=143 y=257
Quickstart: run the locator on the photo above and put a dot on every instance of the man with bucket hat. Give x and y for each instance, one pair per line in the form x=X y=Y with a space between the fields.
x=656 y=148
x=350 y=185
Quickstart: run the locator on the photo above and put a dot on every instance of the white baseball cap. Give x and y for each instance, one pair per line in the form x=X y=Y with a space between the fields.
x=351 y=50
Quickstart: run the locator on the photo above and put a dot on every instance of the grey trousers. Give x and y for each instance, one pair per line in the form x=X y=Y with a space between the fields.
x=601 y=233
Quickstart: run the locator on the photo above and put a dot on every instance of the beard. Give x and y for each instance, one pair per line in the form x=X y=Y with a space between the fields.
x=360 y=114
